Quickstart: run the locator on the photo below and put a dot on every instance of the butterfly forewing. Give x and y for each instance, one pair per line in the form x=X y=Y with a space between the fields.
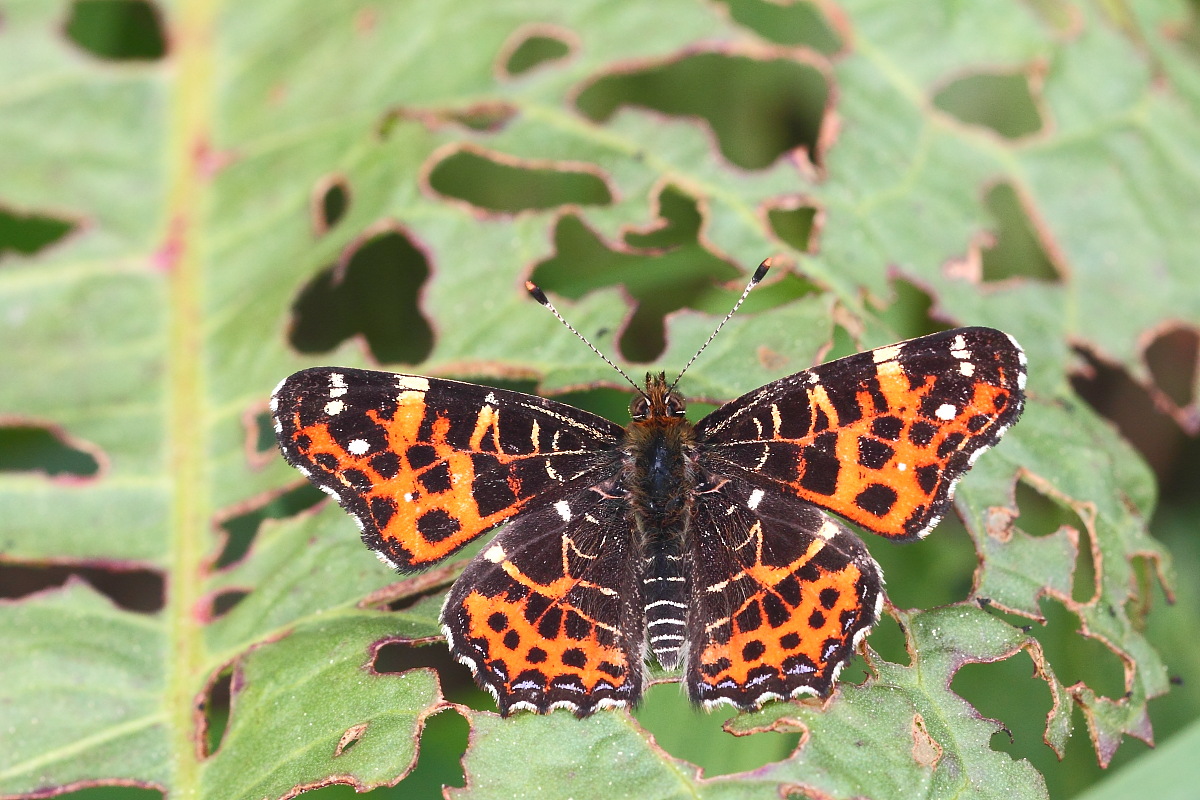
x=879 y=437
x=425 y=465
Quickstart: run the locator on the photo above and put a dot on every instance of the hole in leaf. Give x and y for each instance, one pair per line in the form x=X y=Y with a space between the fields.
x=483 y=118
x=214 y=710
x=1017 y=252
x=500 y=183
x=487 y=117
x=30 y=448
x=887 y=640
x=758 y=110
x=139 y=590
x=786 y=23
x=1008 y=691
x=30 y=233
x=331 y=198
x=657 y=284
x=241 y=529
x=669 y=269
x=112 y=793
x=795 y=226
x=696 y=736
x=443 y=742
x=1003 y=103
x=1041 y=515
x=908 y=312
x=1117 y=397
x=1077 y=657
x=457 y=684
x=225 y=602
x=260 y=446
x=121 y=30
x=351 y=737
x=534 y=50
x=1172 y=359
x=410 y=601
x=372 y=293
x=679 y=221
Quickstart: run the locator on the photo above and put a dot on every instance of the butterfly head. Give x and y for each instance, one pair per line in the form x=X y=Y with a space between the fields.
x=658 y=401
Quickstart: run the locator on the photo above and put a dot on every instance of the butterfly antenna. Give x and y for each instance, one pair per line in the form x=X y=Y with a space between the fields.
x=536 y=292
x=758 y=275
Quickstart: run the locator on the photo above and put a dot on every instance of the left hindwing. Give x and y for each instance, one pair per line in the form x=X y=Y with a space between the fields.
x=550 y=614
x=426 y=465
x=879 y=437
x=781 y=595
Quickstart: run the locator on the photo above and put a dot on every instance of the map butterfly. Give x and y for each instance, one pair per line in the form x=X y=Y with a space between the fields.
x=707 y=545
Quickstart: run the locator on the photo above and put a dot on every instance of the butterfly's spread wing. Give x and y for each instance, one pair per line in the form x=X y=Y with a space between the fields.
x=879 y=437
x=781 y=595
x=425 y=465
x=550 y=614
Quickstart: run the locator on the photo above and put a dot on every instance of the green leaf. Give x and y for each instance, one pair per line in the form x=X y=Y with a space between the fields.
x=283 y=184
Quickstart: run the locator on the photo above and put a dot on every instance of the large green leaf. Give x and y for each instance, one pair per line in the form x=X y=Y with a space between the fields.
x=295 y=183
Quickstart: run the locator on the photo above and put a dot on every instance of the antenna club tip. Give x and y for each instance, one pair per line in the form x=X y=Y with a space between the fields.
x=761 y=272
x=536 y=293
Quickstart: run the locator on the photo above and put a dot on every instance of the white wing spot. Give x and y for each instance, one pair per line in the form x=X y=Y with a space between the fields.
x=755 y=498
x=412 y=383
x=337 y=391
x=358 y=447
x=967 y=368
x=495 y=554
x=274 y=404
x=901 y=466
x=337 y=379
x=946 y=412
x=490 y=399
x=828 y=530
x=888 y=353
x=564 y=510
x=335 y=407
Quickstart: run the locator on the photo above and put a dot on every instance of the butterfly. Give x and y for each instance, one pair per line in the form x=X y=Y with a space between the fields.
x=709 y=546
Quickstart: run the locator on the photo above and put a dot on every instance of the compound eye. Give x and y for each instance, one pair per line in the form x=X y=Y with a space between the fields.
x=638 y=407
x=675 y=406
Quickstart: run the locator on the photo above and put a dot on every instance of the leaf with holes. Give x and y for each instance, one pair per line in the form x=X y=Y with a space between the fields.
x=197 y=204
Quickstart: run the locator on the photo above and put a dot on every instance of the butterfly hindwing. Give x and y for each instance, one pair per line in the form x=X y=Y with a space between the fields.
x=879 y=437
x=550 y=615
x=425 y=465
x=781 y=595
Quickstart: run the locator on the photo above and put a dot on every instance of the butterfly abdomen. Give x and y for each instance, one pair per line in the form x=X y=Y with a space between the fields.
x=660 y=481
